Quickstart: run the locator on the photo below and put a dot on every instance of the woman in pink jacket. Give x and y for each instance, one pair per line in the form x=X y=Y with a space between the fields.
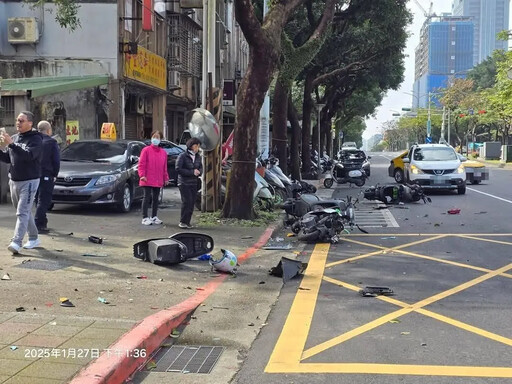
x=152 y=176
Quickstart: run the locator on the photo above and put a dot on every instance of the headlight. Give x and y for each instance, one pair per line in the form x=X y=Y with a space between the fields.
x=460 y=169
x=107 y=179
x=415 y=170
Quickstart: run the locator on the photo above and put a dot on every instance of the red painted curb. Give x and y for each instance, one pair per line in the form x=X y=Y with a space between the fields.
x=119 y=361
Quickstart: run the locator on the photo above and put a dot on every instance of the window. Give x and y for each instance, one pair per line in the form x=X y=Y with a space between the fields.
x=453 y=57
x=453 y=42
x=7 y=111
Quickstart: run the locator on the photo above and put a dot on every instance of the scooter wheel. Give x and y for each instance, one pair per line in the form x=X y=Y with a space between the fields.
x=328 y=183
x=295 y=227
x=360 y=183
x=309 y=237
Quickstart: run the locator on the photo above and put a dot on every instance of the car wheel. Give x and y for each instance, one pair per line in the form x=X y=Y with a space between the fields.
x=367 y=173
x=126 y=199
x=475 y=182
x=461 y=190
x=328 y=183
x=399 y=176
x=360 y=183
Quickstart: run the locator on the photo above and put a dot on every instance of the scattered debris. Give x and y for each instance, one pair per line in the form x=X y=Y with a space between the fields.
x=69 y=234
x=376 y=291
x=96 y=239
x=454 y=211
x=423 y=344
x=141 y=277
x=220 y=308
x=288 y=268
x=103 y=300
x=480 y=213
x=261 y=282
x=64 y=302
x=6 y=277
x=151 y=365
x=388 y=237
x=59 y=250
x=405 y=333
x=53 y=323
x=95 y=254
x=304 y=289
x=246 y=237
x=13 y=347
x=227 y=263
x=251 y=324
x=175 y=334
x=291 y=235
x=437 y=225
x=20 y=309
x=394 y=321
x=205 y=257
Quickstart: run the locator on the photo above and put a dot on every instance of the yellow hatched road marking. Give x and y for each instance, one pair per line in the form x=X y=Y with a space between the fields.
x=488 y=240
x=384 y=319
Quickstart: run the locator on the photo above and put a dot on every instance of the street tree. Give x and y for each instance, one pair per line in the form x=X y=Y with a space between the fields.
x=264 y=39
x=66 y=12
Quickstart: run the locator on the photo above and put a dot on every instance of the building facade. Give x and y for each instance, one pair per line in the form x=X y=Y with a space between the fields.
x=489 y=17
x=445 y=51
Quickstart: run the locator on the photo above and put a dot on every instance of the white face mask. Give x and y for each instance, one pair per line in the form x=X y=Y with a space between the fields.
x=155 y=141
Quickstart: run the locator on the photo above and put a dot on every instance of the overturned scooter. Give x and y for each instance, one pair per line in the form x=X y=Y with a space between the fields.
x=395 y=194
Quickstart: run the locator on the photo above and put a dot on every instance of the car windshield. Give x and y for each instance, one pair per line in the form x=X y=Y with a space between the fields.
x=99 y=151
x=352 y=155
x=434 y=154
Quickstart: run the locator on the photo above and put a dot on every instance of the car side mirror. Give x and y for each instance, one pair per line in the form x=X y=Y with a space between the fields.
x=134 y=159
x=368 y=157
x=406 y=160
x=463 y=158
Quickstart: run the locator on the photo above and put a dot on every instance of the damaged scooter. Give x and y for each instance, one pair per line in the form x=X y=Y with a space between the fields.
x=396 y=194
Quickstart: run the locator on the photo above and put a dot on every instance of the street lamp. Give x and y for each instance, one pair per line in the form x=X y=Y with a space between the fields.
x=319 y=107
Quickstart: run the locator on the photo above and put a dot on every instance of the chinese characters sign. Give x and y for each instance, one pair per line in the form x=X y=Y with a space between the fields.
x=146 y=67
x=72 y=131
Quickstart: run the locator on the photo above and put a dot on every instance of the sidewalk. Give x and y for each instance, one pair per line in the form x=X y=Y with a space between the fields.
x=50 y=344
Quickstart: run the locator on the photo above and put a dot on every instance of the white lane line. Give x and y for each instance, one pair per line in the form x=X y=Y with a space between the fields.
x=488 y=194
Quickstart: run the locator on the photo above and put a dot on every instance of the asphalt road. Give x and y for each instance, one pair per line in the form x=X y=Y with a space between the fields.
x=448 y=321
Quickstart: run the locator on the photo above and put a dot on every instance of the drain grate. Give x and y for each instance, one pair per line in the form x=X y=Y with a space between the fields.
x=189 y=359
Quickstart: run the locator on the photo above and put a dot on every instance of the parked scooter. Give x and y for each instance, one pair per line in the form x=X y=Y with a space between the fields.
x=341 y=175
x=395 y=194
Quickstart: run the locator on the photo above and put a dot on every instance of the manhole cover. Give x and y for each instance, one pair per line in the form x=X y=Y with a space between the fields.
x=43 y=265
x=189 y=359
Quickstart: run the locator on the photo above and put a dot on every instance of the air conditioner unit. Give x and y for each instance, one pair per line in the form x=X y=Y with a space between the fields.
x=174 y=80
x=22 y=30
x=140 y=105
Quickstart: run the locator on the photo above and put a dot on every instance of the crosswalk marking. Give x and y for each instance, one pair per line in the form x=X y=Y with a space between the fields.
x=367 y=216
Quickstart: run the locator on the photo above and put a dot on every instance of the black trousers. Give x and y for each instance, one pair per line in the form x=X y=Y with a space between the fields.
x=188 y=198
x=43 y=201
x=151 y=195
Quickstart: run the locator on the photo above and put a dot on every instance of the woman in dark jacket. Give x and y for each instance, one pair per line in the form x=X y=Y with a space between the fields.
x=190 y=168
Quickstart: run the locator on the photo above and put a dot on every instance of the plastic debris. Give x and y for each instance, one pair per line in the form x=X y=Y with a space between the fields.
x=64 y=302
x=454 y=211
x=96 y=239
x=141 y=277
x=95 y=254
x=20 y=309
x=288 y=268
x=6 y=277
x=13 y=347
x=394 y=321
x=405 y=333
x=205 y=257
x=151 y=365
x=388 y=237
x=376 y=291
x=175 y=333
x=103 y=300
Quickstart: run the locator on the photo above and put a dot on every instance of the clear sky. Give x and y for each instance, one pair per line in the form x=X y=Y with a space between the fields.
x=395 y=100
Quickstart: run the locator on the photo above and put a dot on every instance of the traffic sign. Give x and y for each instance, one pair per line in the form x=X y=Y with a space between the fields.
x=428 y=140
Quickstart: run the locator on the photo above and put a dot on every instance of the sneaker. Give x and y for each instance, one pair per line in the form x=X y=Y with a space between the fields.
x=14 y=248
x=189 y=226
x=181 y=225
x=43 y=230
x=32 y=244
x=156 y=220
x=146 y=221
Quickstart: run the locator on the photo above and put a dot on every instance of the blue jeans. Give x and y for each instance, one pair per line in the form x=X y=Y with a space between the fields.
x=22 y=196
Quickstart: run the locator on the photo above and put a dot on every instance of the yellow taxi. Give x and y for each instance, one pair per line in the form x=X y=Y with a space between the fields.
x=475 y=170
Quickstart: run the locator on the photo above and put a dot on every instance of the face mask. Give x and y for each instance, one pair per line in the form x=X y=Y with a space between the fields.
x=155 y=141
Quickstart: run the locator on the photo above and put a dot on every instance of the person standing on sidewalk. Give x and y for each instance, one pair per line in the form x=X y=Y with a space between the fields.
x=23 y=152
x=153 y=176
x=189 y=167
x=50 y=165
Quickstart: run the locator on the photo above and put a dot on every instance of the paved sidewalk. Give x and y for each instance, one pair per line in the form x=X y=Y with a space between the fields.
x=50 y=344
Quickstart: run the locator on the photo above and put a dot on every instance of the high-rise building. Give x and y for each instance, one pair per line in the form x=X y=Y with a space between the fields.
x=489 y=17
x=445 y=51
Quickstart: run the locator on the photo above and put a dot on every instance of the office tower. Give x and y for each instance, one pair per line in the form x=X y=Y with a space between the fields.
x=489 y=17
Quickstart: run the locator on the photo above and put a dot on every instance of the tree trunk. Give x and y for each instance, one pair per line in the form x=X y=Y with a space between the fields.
x=295 y=145
x=279 y=126
x=307 y=106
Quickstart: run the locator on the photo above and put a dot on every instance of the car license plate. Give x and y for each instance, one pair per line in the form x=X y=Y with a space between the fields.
x=477 y=174
x=439 y=180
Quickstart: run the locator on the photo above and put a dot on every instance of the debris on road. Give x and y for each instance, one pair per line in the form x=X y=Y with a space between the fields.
x=227 y=263
x=13 y=347
x=6 y=277
x=376 y=291
x=288 y=268
x=141 y=277
x=94 y=254
x=454 y=211
x=20 y=309
x=64 y=302
x=103 y=300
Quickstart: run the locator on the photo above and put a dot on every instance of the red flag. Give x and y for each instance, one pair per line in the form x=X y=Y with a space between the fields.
x=147 y=15
x=228 y=145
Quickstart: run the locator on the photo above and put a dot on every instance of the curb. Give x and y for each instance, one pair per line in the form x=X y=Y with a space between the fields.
x=121 y=359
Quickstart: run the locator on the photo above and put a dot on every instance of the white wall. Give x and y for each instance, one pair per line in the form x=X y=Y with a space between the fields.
x=95 y=41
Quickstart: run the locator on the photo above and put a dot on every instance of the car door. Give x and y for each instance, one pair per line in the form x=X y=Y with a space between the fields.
x=134 y=150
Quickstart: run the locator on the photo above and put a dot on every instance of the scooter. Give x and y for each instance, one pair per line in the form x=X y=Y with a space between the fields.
x=341 y=175
x=395 y=194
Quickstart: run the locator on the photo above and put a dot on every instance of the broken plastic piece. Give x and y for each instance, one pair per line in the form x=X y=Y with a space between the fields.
x=376 y=291
x=13 y=347
x=20 y=309
x=288 y=268
x=66 y=303
x=454 y=211
x=6 y=277
x=142 y=277
x=103 y=300
x=95 y=239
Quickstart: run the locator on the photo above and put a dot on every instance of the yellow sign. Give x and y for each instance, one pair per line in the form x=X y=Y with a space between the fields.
x=108 y=131
x=72 y=131
x=146 y=67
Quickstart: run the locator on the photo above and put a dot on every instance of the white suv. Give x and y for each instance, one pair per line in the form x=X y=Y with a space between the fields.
x=435 y=166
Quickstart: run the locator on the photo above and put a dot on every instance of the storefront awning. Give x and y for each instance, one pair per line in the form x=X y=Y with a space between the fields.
x=42 y=86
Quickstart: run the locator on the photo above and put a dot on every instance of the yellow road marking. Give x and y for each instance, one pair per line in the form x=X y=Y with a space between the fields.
x=442 y=318
x=299 y=320
x=425 y=234
x=384 y=319
x=488 y=240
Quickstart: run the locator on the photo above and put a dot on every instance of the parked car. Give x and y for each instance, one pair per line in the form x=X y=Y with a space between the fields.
x=349 y=144
x=99 y=172
x=434 y=166
x=354 y=156
x=475 y=170
x=173 y=151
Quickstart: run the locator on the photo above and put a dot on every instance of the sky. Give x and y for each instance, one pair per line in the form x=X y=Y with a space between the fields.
x=395 y=100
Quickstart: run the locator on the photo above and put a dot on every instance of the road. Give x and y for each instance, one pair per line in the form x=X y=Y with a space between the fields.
x=448 y=321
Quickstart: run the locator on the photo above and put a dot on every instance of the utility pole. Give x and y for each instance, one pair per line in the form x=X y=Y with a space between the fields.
x=429 y=122
x=319 y=106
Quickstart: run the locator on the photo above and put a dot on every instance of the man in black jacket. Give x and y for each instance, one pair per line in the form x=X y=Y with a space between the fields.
x=50 y=165
x=189 y=167
x=24 y=154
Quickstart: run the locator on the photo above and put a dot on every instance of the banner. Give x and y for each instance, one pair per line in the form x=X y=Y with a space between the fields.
x=147 y=15
x=228 y=145
x=146 y=67
x=72 y=131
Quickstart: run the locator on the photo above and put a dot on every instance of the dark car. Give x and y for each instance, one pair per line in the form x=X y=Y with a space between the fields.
x=354 y=157
x=99 y=172
x=173 y=151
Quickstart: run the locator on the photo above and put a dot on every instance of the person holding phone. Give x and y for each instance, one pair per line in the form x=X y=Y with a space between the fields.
x=190 y=168
x=23 y=153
